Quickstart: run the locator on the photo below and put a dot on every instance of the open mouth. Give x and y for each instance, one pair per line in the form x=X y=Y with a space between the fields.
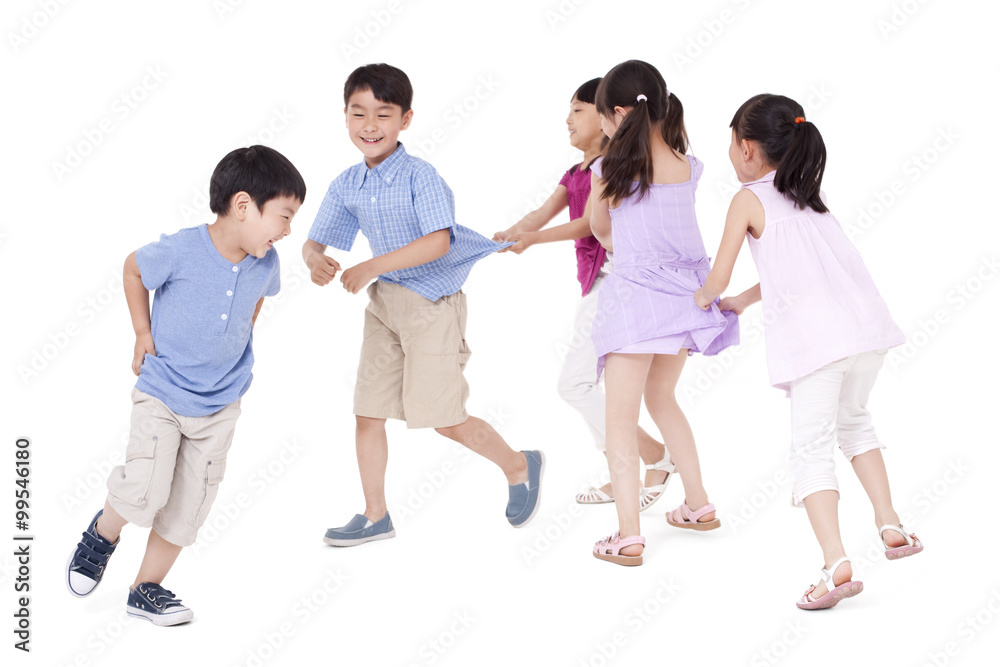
x=371 y=141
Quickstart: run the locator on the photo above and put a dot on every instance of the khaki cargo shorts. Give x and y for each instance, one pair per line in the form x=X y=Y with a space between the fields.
x=412 y=358
x=173 y=467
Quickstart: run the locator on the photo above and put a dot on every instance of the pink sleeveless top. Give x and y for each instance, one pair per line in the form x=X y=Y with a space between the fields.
x=820 y=303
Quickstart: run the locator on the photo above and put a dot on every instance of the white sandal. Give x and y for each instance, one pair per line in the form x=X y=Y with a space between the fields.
x=650 y=494
x=593 y=496
x=834 y=594
x=913 y=544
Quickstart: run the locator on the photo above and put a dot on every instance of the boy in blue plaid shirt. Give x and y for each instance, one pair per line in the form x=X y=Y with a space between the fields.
x=414 y=348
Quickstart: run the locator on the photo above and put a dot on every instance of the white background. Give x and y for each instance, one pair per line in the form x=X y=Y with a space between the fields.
x=886 y=83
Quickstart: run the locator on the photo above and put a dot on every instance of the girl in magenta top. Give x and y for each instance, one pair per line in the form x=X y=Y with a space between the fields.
x=642 y=209
x=827 y=328
x=577 y=384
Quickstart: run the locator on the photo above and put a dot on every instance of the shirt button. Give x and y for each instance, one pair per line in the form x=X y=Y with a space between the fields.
x=223 y=316
x=235 y=269
x=373 y=198
x=229 y=292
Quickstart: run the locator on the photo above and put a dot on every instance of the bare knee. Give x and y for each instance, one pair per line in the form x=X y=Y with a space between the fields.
x=453 y=432
x=369 y=424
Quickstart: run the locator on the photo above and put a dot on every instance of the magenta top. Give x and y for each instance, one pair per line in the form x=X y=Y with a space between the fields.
x=820 y=302
x=589 y=251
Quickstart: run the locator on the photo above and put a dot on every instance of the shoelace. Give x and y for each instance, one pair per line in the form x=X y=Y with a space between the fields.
x=93 y=555
x=159 y=596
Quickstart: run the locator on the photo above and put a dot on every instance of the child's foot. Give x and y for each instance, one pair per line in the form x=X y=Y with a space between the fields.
x=620 y=550
x=157 y=605
x=899 y=543
x=523 y=499
x=87 y=562
x=359 y=530
x=596 y=496
x=702 y=518
x=835 y=585
x=657 y=477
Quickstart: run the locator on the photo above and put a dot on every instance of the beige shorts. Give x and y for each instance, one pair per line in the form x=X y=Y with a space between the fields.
x=173 y=467
x=412 y=358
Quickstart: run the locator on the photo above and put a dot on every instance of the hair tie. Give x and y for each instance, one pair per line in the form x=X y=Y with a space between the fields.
x=800 y=119
x=640 y=98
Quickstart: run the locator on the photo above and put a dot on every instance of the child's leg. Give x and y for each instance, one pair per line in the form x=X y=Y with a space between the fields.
x=483 y=439
x=625 y=376
x=110 y=523
x=373 y=455
x=157 y=561
x=870 y=469
x=674 y=428
x=822 y=510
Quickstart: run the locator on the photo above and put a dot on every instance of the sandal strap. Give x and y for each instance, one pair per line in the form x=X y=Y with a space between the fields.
x=663 y=465
x=899 y=529
x=828 y=574
x=694 y=515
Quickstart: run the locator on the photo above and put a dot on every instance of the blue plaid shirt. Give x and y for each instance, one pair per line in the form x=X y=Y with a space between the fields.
x=394 y=204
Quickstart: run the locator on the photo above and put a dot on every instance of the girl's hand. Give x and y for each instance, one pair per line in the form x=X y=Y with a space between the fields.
x=504 y=236
x=733 y=303
x=143 y=346
x=702 y=299
x=522 y=241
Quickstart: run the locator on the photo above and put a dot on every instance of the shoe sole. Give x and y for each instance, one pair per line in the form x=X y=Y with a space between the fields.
x=902 y=552
x=162 y=620
x=830 y=600
x=619 y=560
x=339 y=542
x=538 y=498
x=697 y=525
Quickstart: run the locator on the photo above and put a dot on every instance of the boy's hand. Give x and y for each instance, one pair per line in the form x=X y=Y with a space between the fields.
x=322 y=268
x=358 y=277
x=143 y=346
x=733 y=303
x=702 y=299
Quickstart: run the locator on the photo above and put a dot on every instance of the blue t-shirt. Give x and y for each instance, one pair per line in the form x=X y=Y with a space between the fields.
x=394 y=204
x=202 y=320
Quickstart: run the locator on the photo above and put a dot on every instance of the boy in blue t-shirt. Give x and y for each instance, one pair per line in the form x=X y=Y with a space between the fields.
x=414 y=348
x=193 y=357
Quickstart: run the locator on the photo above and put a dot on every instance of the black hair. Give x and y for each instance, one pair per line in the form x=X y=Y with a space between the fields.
x=588 y=91
x=628 y=156
x=790 y=143
x=388 y=84
x=261 y=172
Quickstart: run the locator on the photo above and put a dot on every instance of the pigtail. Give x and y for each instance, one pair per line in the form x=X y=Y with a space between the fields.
x=628 y=156
x=800 y=171
x=673 y=125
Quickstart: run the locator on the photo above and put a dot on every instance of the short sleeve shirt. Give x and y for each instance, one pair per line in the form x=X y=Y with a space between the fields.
x=202 y=320
x=402 y=199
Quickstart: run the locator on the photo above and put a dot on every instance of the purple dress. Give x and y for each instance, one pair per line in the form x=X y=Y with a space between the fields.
x=646 y=304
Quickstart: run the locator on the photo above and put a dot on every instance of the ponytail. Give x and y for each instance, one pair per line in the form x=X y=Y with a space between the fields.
x=628 y=156
x=673 y=125
x=790 y=142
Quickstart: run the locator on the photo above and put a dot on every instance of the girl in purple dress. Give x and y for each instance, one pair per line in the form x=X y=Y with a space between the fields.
x=647 y=323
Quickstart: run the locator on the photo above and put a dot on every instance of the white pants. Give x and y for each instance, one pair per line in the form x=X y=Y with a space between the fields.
x=578 y=380
x=829 y=407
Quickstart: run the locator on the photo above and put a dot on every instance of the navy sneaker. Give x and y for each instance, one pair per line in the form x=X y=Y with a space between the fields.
x=524 y=498
x=157 y=605
x=87 y=562
x=359 y=530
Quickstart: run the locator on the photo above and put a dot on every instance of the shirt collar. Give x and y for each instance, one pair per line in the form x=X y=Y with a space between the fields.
x=766 y=178
x=385 y=170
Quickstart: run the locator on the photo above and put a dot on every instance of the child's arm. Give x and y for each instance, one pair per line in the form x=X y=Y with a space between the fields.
x=256 y=311
x=137 y=298
x=425 y=249
x=600 y=213
x=741 y=301
x=570 y=231
x=322 y=267
x=538 y=218
x=745 y=212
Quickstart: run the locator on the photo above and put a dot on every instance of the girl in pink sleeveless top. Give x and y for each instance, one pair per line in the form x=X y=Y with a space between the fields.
x=827 y=328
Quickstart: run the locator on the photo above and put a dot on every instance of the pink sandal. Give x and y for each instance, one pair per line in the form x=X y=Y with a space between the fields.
x=912 y=546
x=683 y=517
x=834 y=594
x=609 y=549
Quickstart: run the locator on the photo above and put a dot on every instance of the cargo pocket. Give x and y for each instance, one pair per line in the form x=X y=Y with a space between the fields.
x=131 y=482
x=215 y=470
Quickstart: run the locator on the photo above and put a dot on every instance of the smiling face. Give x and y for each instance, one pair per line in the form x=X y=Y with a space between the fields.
x=584 y=124
x=374 y=126
x=262 y=228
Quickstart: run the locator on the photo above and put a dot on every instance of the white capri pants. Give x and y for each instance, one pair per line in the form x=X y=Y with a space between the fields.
x=829 y=408
x=578 y=380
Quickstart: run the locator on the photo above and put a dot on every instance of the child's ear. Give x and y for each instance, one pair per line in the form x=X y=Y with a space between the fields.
x=407 y=117
x=241 y=202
